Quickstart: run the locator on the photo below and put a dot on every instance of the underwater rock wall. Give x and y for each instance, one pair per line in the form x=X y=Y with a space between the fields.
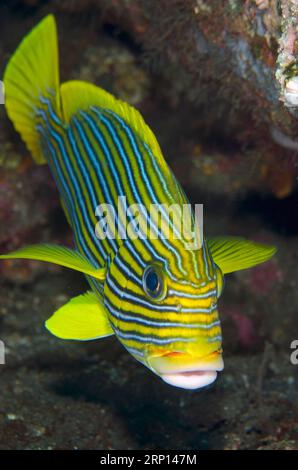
x=232 y=64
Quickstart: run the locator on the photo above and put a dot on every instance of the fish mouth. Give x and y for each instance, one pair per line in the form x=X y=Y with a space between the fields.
x=186 y=371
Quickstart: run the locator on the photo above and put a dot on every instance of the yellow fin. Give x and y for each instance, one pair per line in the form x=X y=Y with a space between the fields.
x=58 y=255
x=235 y=253
x=31 y=72
x=83 y=318
x=79 y=95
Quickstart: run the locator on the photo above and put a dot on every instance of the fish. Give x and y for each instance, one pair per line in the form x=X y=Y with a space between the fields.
x=158 y=294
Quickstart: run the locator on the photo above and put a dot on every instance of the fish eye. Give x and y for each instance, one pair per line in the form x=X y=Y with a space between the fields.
x=220 y=282
x=152 y=282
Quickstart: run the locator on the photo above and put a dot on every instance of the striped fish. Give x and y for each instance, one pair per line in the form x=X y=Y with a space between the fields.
x=157 y=295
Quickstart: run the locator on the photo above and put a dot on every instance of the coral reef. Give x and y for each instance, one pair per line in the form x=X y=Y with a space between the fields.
x=230 y=68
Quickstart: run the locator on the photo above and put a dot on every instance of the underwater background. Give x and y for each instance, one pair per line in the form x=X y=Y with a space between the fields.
x=217 y=83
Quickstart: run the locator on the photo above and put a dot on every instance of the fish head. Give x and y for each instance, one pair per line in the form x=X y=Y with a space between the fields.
x=167 y=321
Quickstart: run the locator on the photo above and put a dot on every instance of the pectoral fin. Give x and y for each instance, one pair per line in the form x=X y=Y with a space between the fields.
x=58 y=255
x=83 y=318
x=235 y=253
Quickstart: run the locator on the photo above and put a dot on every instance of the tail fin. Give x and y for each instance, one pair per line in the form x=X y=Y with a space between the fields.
x=32 y=73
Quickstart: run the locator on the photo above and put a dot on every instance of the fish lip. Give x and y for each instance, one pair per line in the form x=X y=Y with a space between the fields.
x=190 y=381
x=203 y=368
x=189 y=372
x=212 y=362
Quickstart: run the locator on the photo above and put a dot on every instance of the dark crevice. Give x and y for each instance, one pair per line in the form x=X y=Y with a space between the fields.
x=281 y=215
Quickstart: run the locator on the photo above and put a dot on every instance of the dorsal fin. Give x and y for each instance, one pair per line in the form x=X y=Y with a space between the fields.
x=79 y=96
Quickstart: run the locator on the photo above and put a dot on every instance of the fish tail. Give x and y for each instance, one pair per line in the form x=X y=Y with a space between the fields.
x=31 y=77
